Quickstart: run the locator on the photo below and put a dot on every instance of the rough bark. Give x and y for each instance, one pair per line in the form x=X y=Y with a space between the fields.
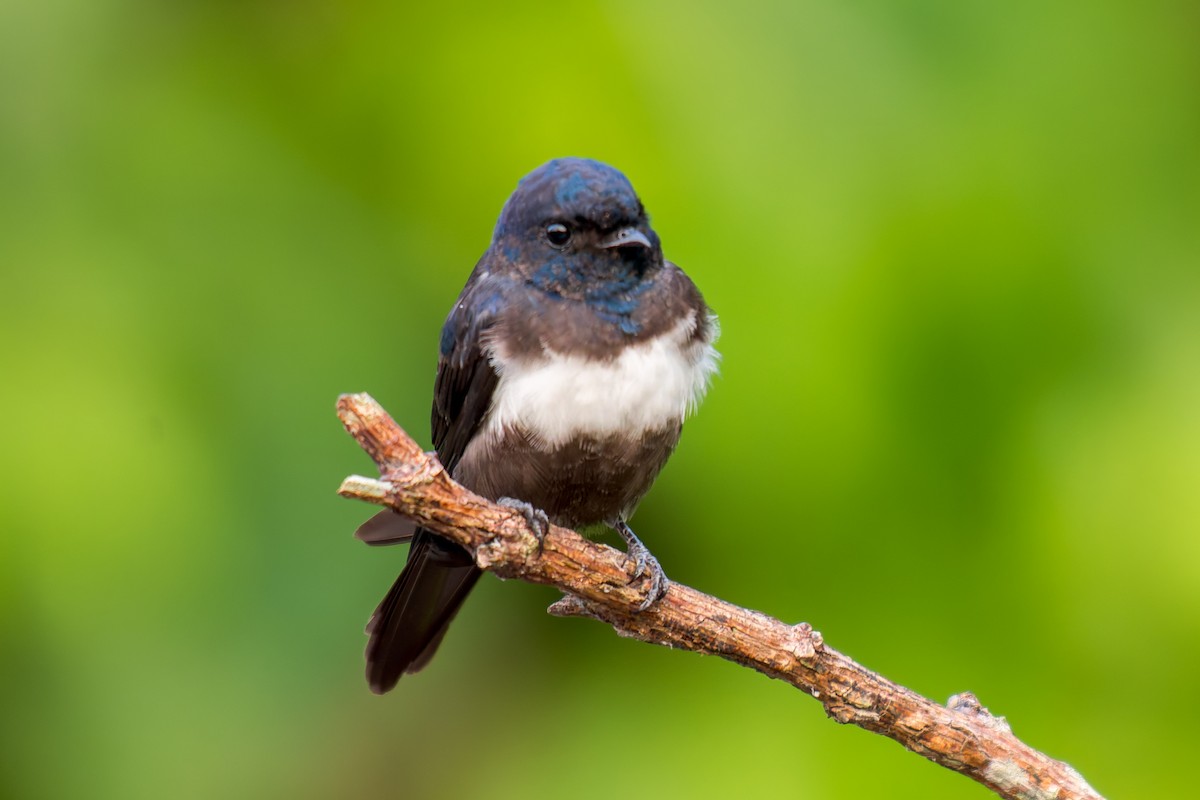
x=597 y=583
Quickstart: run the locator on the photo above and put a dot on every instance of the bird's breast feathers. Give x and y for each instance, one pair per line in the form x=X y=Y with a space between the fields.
x=554 y=397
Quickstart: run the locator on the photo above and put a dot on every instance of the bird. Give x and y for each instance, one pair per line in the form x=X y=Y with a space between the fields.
x=566 y=368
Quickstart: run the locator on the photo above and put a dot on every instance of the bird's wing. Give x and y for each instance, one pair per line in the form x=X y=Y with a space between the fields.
x=412 y=619
x=462 y=395
x=466 y=380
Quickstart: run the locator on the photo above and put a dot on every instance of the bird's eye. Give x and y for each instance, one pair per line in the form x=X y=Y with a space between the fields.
x=558 y=234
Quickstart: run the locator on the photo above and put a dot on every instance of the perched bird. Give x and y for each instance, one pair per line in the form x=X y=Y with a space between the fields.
x=567 y=366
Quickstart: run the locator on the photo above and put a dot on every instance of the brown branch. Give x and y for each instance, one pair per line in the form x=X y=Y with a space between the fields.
x=597 y=582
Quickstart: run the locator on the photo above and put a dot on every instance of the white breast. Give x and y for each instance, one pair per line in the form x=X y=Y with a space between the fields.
x=649 y=386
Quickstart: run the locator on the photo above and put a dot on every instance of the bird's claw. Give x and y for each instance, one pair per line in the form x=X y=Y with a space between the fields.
x=535 y=518
x=643 y=563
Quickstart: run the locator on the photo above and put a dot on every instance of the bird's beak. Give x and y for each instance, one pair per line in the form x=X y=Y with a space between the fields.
x=626 y=237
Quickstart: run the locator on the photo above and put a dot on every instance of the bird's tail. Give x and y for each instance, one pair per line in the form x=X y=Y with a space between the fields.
x=409 y=624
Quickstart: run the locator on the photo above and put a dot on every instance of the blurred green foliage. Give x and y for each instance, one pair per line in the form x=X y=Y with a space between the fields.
x=955 y=247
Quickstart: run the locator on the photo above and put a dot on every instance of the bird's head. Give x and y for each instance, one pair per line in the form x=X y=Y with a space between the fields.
x=574 y=227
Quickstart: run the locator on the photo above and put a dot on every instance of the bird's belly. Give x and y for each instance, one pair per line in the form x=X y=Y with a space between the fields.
x=582 y=481
x=583 y=438
x=647 y=386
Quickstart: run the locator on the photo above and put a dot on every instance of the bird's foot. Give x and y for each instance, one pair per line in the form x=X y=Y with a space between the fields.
x=644 y=563
x=535 y=518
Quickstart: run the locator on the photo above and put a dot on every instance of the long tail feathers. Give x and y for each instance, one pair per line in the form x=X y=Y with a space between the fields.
x=409 y=624
x=386 y=527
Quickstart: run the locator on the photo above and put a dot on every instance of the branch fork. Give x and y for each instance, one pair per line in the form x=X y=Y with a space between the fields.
x=597 y=583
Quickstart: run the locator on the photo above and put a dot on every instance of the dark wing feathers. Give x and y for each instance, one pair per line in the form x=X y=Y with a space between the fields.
x=412 y=619
x=462 y=392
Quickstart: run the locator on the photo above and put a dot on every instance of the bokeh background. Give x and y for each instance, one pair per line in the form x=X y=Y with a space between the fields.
x=955 y=247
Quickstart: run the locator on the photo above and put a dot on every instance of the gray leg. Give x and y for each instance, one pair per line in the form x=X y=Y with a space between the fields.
x=535 y=518
x=644 y=563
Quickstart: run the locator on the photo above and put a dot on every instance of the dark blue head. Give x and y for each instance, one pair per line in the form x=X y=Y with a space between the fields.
x=576 y=228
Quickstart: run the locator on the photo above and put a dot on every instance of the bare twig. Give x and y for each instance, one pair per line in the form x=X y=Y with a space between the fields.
x=597 y=581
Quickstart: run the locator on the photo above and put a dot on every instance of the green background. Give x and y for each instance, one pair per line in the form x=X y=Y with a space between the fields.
x=955 y=248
